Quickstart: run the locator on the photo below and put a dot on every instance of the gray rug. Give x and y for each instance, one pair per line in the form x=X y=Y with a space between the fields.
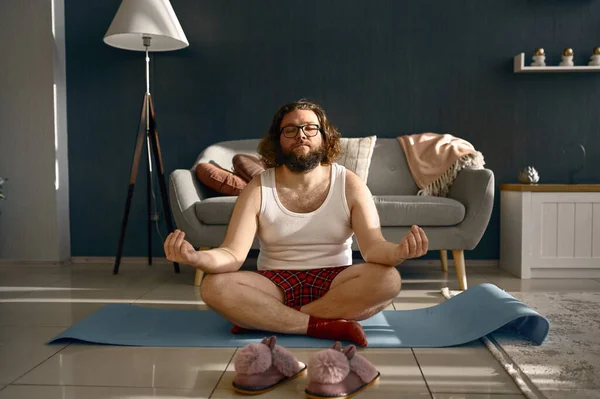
x=567 y=365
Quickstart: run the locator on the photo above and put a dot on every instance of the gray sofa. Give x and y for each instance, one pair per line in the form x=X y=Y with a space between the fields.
x=454 y=223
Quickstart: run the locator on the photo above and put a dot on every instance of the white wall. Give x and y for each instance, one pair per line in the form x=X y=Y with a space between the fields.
x=34 y=220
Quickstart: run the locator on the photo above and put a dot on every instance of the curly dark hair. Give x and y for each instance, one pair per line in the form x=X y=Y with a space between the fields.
x=270 y=149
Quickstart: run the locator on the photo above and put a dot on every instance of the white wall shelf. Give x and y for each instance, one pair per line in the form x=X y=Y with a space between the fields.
x=519 y=67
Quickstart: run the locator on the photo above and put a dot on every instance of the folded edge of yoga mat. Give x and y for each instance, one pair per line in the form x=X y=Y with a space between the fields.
x=468 y=316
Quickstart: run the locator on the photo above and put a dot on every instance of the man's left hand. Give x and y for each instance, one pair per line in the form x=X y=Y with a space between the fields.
x=414 y=244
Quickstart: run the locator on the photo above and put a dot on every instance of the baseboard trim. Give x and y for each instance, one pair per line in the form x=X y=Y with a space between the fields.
x=565 y=272
x=437 y=262
x=85 y=259
x=27 y=262
x=410 y=262
x=164 y=261
x=124 y=259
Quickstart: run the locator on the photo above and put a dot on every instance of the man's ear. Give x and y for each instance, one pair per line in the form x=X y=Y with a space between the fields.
x=350 y=351
x=271 y=342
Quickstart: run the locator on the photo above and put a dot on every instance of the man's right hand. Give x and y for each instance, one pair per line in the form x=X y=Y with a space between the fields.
x=179 y=250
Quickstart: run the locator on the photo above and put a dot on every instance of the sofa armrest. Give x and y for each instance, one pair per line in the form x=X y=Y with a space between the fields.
x=474 y=188
x=184 y=193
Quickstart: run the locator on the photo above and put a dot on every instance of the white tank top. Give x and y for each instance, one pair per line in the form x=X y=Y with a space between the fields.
x=302 y=241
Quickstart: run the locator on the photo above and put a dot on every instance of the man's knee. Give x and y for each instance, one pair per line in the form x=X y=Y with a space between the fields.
x=396 y=282
x=213 y=287
x=389 y=282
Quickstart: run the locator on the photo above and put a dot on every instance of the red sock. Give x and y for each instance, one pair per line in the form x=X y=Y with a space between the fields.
x=239 y=330
x=337 y=330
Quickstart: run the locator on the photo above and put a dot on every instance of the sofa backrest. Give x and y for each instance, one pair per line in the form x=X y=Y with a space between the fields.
x=388 y=174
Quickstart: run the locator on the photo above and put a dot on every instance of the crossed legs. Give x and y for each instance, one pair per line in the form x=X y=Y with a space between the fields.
x=357 y=293
x=252 y=301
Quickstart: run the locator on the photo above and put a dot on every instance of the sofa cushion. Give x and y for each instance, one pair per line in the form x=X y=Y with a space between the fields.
x=356 y=154
x=406 y=210
x=394 y=210
x=220 y=180
x=216 y=210
x=247 y=166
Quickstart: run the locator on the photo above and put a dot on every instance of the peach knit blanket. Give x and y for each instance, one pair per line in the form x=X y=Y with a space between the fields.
x=435 y=159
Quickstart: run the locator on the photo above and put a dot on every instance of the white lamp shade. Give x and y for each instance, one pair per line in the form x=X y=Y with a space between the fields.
x=152 y=18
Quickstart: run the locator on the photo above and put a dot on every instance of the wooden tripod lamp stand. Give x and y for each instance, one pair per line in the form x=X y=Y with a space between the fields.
x=146 y=25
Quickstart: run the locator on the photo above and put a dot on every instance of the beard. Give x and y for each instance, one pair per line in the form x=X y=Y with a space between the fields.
x=301 y=163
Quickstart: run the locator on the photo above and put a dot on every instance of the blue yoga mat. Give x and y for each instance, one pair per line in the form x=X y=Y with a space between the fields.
x=468 y=316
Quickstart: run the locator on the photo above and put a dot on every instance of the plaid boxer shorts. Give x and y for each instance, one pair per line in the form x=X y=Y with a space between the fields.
x=301 y=287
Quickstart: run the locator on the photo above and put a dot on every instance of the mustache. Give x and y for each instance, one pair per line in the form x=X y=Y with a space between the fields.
x=301 y=163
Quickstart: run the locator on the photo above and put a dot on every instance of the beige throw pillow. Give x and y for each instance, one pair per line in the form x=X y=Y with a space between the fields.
x=356 y=155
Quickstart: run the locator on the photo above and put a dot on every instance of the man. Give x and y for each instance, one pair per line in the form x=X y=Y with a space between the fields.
x=304 y=208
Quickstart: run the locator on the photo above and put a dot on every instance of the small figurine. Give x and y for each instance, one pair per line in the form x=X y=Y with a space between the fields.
x=539 y=58
x=528 y=175
x=595 y=59
x=567 y=57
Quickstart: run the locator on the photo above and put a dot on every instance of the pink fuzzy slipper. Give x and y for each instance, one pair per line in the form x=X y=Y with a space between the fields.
x=337 y=373
x=262 y=367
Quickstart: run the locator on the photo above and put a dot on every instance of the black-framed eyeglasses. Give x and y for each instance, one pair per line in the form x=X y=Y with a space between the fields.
x=310 y=130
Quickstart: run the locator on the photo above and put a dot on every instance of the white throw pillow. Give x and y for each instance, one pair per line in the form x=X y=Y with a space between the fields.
x=356 y=154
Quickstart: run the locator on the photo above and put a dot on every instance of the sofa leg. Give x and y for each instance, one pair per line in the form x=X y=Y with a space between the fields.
x=198 y=277
x=459 y=262
x=199 y=273
x=444 y=259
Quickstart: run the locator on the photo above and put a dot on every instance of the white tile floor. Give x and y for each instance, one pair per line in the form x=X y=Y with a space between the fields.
x=38 y=302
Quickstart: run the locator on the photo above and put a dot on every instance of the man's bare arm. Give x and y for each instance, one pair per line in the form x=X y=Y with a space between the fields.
x=232 y=253
x=367 y=228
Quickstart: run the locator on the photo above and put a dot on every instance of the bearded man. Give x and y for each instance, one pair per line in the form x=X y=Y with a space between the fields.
x=305 y=209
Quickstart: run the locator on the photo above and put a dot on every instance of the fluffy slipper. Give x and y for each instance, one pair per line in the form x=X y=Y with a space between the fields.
x=337 y=373
x=262 y=367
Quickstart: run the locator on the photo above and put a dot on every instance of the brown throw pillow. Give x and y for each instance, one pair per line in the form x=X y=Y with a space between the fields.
x=247 y=166
x=220 y=180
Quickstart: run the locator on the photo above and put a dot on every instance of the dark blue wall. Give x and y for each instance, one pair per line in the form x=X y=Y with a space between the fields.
x=377 y=67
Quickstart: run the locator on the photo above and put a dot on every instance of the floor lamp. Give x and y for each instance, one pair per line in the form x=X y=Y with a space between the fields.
x=146 y=25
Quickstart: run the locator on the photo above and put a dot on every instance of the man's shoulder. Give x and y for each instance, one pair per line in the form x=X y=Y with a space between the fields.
x=356 y=188
x=252 y=189
x=353 y=181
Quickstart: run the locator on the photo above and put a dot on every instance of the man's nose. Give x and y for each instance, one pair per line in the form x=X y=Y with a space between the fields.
x=301 y=134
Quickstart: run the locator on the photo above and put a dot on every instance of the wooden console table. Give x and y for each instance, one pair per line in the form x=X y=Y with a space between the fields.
x=550 y=230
